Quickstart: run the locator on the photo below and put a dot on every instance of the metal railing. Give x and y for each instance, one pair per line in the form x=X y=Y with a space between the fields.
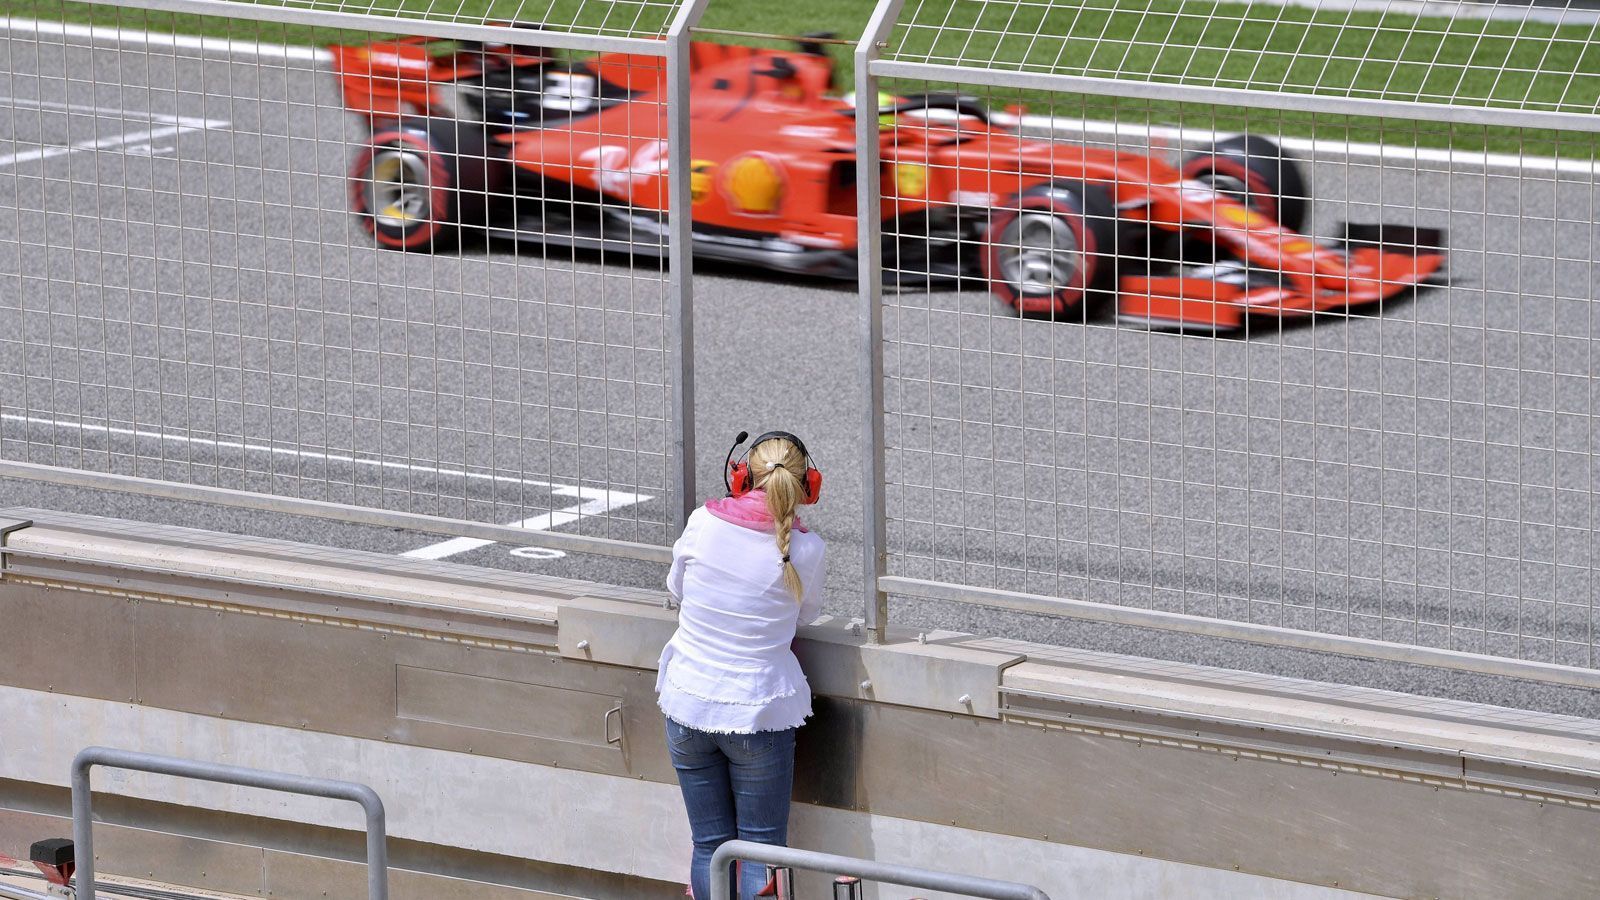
x=1405 y=478
x=906 y=876
x=83 y=811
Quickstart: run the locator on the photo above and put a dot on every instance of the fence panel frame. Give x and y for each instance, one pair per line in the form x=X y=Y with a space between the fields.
x=673 y=49
x=871 y=67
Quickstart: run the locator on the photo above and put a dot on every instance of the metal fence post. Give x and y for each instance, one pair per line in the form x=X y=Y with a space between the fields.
x=869 y=239
x=680 y=257
x=83 y=813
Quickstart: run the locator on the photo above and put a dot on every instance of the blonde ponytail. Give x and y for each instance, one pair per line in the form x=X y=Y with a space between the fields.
x=778 y=468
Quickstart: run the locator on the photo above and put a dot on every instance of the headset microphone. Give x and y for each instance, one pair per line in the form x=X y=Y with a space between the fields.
x=740 y=481
x=726 y=462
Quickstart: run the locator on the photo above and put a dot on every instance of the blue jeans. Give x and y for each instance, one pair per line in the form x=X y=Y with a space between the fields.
x=735 y=786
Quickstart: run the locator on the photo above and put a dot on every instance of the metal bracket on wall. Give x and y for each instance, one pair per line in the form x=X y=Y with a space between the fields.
x=6 y=527
x=947 y=671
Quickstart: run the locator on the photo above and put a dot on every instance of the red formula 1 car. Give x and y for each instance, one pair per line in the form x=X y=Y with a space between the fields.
x=512 y=141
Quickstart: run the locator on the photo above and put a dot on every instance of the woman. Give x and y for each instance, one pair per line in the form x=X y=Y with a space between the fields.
x=745 y=573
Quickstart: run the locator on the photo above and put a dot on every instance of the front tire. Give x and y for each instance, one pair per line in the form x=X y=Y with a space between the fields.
x=1052 y=249
x=1255 y=171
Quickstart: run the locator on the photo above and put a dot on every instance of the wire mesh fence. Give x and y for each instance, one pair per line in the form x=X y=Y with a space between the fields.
x=344 y=266
x=615 y=18
x=1296 y=369
x=1530 y=56
x=1262 y=313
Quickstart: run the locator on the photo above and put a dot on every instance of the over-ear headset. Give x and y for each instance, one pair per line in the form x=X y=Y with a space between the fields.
x=736 y=475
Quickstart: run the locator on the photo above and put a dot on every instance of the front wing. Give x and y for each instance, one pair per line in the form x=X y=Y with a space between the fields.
x=1383 y=261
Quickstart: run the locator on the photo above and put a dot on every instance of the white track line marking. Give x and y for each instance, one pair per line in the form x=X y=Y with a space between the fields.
x=593 y=507
x=179 y=125
x=133 y=137
x=155 y=39
x=322 y=456
x=111 y=112
x=595 y=501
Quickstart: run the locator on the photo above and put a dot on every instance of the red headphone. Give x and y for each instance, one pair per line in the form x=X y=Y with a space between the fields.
x=737 y=475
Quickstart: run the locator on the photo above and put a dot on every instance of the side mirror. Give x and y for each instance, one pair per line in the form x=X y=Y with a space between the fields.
x=781 y=69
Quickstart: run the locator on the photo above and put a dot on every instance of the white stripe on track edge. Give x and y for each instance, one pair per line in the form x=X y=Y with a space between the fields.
x=1194 y=137
x=156 y=39
x=1391 y=153
x=1452 y=9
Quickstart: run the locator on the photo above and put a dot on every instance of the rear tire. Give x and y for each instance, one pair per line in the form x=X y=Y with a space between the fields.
x=419 y=183
x=1052 y=250
x=1258 y=173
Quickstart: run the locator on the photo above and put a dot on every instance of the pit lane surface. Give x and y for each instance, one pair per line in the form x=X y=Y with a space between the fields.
x=1434 y=460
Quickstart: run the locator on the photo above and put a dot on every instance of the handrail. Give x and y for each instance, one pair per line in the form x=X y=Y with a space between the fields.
x=83 y=814
x=906 y=876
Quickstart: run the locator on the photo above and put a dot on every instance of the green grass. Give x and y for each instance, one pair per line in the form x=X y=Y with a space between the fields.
x=1508 y=64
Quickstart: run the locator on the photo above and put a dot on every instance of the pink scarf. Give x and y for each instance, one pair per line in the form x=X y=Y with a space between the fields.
x=749 y=511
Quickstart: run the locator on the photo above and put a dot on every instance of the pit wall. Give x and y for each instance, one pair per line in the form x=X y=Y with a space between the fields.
x=508 y=721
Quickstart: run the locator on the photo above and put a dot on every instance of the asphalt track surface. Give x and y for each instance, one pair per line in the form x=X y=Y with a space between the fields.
x=1430 y=463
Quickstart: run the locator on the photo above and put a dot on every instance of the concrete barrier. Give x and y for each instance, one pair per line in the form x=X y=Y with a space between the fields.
x=509 y=722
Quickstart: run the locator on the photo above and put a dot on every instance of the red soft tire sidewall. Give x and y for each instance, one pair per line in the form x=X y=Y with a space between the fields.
x=438 y=190
x=1063 y=299
x=1264 y=199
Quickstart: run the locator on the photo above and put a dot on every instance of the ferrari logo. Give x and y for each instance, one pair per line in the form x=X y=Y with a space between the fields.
x=911 y=181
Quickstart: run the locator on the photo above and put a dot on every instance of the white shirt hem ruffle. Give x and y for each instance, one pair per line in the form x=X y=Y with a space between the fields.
x=714 y=718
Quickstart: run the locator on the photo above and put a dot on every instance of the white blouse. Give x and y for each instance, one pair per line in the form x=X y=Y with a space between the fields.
x=729 y=668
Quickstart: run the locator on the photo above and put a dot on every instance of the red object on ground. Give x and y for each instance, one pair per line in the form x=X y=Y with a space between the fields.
x=54 y=858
